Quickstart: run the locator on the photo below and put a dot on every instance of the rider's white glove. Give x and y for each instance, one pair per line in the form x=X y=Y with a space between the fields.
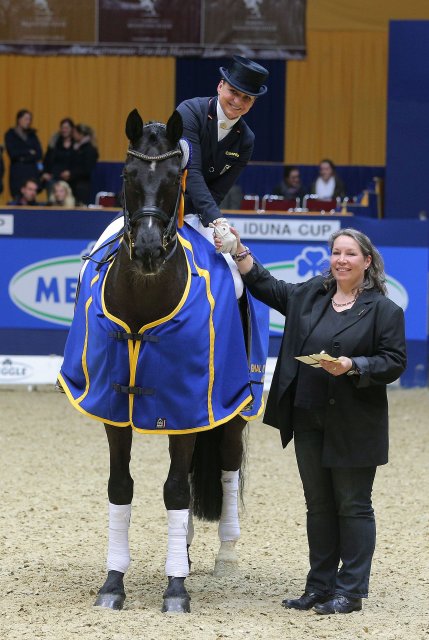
x=222 y=230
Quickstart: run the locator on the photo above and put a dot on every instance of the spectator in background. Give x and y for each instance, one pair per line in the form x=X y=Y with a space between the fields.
x=84 y=159
x=233 y=198
x=27 y=194
x=61 y=195
x=1 y=169
x=25 y=152
x=58 y=157
x=291 y=186
x=328 y=185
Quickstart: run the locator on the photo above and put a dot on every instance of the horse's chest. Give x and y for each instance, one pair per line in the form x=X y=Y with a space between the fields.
x=138 y=301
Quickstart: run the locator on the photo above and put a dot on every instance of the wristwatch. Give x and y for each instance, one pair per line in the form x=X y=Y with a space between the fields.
x=354 y=371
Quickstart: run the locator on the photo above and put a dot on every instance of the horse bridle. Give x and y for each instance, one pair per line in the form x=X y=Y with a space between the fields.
x=170 y=232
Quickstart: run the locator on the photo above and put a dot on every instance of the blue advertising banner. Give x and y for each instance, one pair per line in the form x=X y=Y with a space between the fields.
x=296 y=262
x=41 y=285
x=42 y=256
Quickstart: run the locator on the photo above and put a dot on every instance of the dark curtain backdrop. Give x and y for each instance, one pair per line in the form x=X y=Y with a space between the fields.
x=200 y=77
x=407 y=184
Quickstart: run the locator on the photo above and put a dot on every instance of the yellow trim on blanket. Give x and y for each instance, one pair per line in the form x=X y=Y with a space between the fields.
x=217 y=423
x=203 y=273
x=134 y=347
x=133 y=353
x=77 y=406
x=164 y=432
x=85 y=346
x=156 y=323
x=257 y=415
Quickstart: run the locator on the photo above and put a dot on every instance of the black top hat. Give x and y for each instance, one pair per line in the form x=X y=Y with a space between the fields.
x=246 y=76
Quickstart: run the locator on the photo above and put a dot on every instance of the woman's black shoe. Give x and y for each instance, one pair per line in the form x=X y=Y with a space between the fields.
x=339 y=604
x=306 y=601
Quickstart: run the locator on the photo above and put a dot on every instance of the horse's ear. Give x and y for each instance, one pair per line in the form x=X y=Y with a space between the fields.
x=134 y=126
x=174 y=128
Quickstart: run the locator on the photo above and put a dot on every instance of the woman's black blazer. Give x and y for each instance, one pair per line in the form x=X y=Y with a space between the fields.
x=356 y=406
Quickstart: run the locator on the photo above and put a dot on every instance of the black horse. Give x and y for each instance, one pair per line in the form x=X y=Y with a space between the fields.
x=145 y=282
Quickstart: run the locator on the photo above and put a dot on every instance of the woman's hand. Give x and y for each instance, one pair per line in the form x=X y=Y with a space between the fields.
x=227 y=242
x=239 y=248
x=337 y=368
x=244 y=263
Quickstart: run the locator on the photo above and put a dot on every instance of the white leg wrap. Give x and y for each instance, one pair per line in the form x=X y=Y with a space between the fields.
x=190 y=534
x=229 y=526
x=176 y=564
x=207 y=232
x=118 y=553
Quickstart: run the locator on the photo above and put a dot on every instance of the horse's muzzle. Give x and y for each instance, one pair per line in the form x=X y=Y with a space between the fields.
x=149 y=261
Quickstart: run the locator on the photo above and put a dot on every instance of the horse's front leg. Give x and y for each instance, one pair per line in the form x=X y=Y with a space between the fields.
x=120 y=492
x=231 y=452
x=177 y=498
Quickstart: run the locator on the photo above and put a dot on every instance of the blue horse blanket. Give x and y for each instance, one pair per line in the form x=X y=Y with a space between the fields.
x=189 y=371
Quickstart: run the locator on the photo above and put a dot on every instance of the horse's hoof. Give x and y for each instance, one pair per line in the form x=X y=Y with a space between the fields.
x=113 y=601
x=226 y=562
x=224 y=569
x=177 y=604
x=176 y=598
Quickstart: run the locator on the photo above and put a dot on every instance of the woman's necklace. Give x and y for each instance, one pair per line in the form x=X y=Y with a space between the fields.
x=344 y=304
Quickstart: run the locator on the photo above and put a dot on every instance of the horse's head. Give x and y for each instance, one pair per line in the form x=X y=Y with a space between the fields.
x=153 y=172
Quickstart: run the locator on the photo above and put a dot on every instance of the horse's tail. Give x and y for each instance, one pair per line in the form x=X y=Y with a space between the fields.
x=205 y=477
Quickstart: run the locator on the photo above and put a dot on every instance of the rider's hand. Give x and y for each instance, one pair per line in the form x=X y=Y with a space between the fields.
x=225 y=240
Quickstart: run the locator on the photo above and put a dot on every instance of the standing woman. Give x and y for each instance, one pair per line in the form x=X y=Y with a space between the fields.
x=59 y=155
x=338 y=413
x=83 y=161
x=25 y=152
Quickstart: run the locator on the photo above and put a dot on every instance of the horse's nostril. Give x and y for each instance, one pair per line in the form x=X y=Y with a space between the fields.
x=149 y=256
x=157 y=253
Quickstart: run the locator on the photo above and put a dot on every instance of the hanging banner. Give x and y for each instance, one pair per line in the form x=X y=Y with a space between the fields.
x=46 y=23
x=271 y=29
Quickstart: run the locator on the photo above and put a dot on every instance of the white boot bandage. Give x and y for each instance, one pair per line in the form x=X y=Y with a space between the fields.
x=118 y=553
x=176 y=564
x=229 y=526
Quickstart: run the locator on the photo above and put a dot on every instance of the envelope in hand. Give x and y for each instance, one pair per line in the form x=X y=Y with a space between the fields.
x=314 y=359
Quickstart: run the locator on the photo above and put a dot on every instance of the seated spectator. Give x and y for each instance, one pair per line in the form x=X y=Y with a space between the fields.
x=58 y=157
x=328 y=185
x=27 y=194
x=232 y=200
x=291 y=186
x=84 y=159
x=25 y=152
x=61 y=195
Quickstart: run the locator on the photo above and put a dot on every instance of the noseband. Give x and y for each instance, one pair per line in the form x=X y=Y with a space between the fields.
x=170 y=222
